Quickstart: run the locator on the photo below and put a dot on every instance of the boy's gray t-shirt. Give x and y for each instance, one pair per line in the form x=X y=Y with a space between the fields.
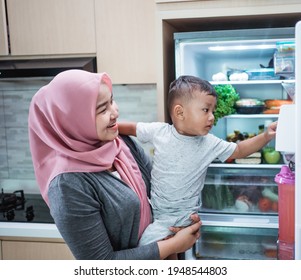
x=179 y=166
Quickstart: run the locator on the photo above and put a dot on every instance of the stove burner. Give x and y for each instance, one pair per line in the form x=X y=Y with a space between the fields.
x=9 y=202
x=15 y=208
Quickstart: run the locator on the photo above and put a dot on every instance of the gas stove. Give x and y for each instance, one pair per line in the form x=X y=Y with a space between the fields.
x=18 y=207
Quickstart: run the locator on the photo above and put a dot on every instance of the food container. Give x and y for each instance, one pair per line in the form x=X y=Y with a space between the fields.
x=284 y=58
x=273 y=105
x=284 y=64
x=262 y=74
x=249 y=106
x=285 y=46
x=289 y=89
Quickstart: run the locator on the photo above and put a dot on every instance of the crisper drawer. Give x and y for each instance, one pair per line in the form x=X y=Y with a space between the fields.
x=236 y=243
x=240 y=191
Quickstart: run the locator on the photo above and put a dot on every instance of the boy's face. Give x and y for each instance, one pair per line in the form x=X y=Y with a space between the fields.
x=198 y=117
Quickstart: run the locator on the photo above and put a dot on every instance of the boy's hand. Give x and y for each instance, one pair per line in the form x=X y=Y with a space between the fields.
x=270 y=133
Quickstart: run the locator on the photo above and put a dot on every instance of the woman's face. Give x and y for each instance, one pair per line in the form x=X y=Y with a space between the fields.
x=106 y=115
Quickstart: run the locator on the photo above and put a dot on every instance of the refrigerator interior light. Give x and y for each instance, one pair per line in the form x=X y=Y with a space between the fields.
x=242 y=47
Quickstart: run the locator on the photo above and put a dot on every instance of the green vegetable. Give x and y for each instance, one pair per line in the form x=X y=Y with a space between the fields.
x=226 y=98
x=217 y=197
x=268 y=193
x=228 y=197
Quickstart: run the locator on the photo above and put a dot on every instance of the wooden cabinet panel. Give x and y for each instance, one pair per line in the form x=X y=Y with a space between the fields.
x=3 y=30
x=125 y=34
x=172 y=1
x=43 y=27
x=27 y=250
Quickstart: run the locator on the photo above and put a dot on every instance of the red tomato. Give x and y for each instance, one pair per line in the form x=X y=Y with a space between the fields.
x=264 y=204
x=275 y=206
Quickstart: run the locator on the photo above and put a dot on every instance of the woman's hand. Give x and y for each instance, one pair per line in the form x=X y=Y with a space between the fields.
x=195 y=218
x=181 y=241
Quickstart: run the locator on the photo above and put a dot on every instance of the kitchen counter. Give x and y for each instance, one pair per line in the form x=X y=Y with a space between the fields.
x=32 y=241
x=34 y=230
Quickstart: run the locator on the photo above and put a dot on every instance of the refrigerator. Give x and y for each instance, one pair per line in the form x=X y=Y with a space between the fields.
x=240 y=199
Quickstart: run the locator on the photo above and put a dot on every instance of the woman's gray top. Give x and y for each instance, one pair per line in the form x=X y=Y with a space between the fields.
x=98 y=215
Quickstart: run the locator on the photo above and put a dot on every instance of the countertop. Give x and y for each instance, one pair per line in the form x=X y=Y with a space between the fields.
x=34 y=230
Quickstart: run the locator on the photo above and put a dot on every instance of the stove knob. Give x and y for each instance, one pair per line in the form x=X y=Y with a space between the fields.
x=29 y=213
x=10 y=215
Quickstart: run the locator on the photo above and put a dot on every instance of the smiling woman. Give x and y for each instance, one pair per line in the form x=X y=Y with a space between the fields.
x=75 y=145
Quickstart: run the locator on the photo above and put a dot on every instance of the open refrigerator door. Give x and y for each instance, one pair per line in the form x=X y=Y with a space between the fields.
x=298 y=146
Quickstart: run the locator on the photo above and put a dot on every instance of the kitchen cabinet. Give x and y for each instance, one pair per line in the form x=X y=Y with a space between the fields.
x=58 y=27
x=120 y=33
x=125 y=34
x=35 y=249
x=3 y=30
x=174 y=1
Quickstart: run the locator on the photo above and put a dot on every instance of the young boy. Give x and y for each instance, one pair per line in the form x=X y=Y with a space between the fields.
x=183 y=151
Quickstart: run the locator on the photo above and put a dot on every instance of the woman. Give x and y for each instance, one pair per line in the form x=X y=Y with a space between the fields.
x=94 y=181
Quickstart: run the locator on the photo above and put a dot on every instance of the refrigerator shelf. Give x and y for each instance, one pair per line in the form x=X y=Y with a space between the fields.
x=251 y=82
x=252 y=116
x=251 y=166
x=240 y=184
x=246 y=220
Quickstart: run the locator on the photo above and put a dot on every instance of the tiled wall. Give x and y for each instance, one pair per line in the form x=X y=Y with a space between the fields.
x=136 y=103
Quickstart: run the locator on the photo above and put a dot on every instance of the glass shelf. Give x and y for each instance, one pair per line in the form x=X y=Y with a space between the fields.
x=251 y=166
x=251 y=82
x=252 y=116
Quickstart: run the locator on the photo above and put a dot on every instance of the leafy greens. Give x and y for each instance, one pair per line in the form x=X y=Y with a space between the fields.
x=227 y=96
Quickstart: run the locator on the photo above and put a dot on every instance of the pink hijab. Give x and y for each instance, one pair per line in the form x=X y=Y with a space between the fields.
x=63 y=138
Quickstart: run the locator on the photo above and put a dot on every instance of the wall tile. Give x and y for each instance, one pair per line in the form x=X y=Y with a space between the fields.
x=3 y=155
x=1 y=109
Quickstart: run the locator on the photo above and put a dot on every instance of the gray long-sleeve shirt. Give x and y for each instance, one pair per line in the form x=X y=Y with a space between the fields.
x=98 y=215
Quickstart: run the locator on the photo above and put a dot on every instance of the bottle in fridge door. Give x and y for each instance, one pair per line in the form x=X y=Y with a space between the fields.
x=286 y=238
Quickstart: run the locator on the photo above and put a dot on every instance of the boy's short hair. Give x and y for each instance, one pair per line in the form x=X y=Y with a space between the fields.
x=184 y=87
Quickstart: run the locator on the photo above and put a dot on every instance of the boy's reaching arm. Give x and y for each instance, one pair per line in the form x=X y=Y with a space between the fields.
x=254 y=144
x=127 y=128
